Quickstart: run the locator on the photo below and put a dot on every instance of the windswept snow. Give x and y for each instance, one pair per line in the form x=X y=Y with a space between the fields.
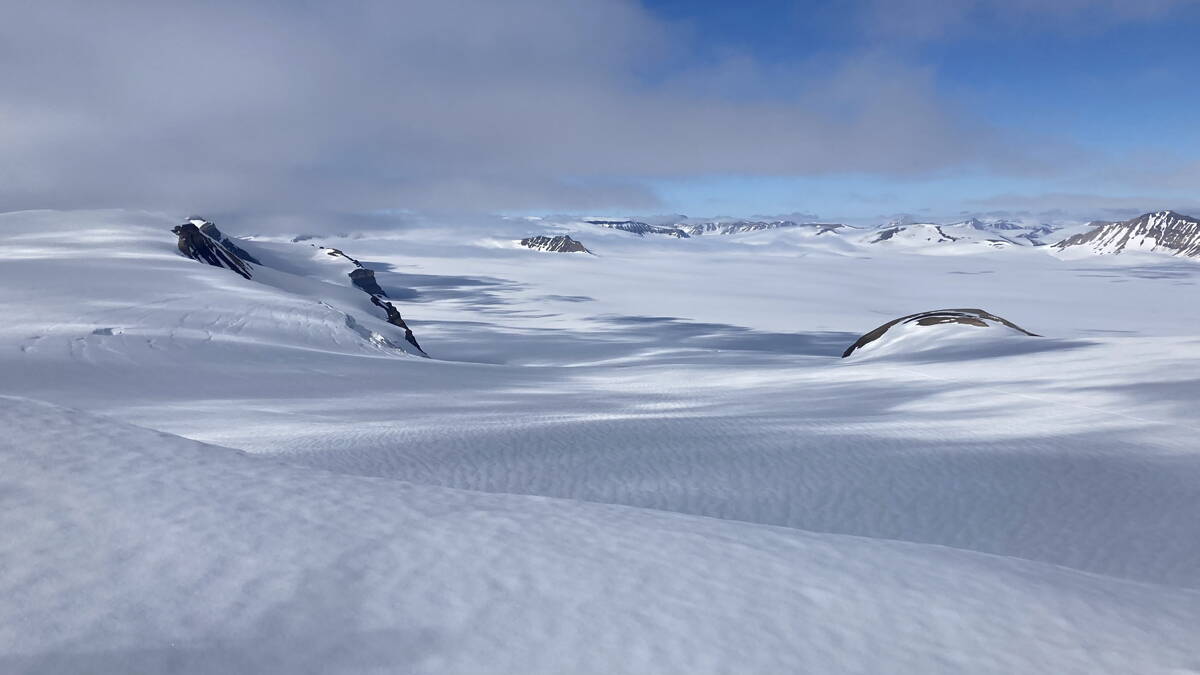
x=693 y=480
x=128 y=551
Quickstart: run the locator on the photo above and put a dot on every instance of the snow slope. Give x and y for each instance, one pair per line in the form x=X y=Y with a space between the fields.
x=683 y=402
x=1164 y=232
x=129 y=550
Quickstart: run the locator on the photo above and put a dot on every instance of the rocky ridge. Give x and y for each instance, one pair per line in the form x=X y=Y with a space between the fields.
x=202 y=241
x=1159 y=232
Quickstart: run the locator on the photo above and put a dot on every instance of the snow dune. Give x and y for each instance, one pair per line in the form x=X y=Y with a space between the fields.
x=128 y=550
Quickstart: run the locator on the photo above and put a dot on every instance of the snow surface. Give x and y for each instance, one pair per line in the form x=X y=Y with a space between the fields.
x=692 y=480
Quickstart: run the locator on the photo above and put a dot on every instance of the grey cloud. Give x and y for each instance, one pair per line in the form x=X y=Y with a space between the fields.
x=458 y=104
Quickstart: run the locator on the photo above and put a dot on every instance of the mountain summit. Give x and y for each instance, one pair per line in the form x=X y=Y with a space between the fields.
x=1158 y=232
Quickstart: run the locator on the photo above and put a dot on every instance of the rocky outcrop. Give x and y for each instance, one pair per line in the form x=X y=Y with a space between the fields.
x=558 y=244
x=360 y=276
x=394 y=318
x=226 y=242
x=364 y=280
x=1161 y=232
x=969 y=317
x=197 y=245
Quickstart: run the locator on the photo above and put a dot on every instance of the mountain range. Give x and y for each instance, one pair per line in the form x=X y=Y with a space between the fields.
x=1159 y=232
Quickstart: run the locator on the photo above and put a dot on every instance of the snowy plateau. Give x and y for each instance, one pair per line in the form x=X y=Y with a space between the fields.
x=651 y=459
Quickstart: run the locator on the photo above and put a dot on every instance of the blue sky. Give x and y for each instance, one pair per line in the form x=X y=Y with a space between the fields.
x=853 y=110
x=1122 y=87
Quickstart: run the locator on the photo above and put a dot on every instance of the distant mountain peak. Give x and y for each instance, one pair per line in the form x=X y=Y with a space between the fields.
x=1165 y=231
x=557 y=244
x=639 y=228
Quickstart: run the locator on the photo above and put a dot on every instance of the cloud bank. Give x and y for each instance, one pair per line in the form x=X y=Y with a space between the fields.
x=457 y=104
x=461 y=105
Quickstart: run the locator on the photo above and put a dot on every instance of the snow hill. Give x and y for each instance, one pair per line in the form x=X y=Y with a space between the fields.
x=965 y=236
x=1161 y=232
x=667 y=468
x=937 y=331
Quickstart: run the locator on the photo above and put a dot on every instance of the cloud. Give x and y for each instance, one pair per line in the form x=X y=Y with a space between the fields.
x=457 y=104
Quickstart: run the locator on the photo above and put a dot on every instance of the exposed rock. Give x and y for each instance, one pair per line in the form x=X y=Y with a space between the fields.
x=228 y=243
x=394 y=318
x=360 y=276
x=365 y=279
x=201 y=240
x=970 y=317
x=198 y=246
x=338 y=253
x=1161 y=232
x=558 y=244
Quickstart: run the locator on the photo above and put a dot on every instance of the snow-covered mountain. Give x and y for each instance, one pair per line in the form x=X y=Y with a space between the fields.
x=994 y=225
x=557 y=244
x=639 y=228
x=969 y=233
x=934 y=238
x=918 y=233
x=966 y=236
x=1024 y=233
x=744 y=226
x=686 y=229
x=937 y=331
x=1159 y=232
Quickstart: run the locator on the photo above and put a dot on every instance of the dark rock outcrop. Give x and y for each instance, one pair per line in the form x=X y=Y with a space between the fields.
x=394 y=318
x=969 y=317
x=364 y=280
x=197 y=245
x=360 y=276
x=558 y=244
x=228 y=243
